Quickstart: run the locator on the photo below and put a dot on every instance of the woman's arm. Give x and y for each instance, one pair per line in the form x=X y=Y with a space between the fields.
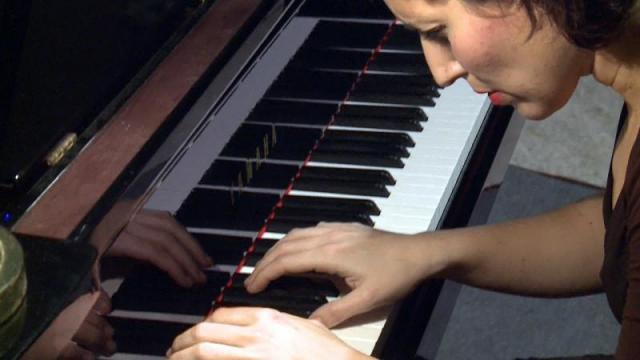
x=559 y=253
x=555 y=254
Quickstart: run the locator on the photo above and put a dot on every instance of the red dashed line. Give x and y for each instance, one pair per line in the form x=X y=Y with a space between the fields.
x=280 y=202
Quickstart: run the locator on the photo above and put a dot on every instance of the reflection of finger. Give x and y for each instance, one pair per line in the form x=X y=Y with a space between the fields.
x=211 y=351
x=103 y=304
x=168 y=244
x=181 y=255
x=232 y=335
x=95 y=334
x=157 y=256
x=190 y=243
x=166 y=222
x=74 y=352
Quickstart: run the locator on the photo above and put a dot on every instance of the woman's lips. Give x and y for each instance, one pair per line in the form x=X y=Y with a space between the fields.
x=496 y=97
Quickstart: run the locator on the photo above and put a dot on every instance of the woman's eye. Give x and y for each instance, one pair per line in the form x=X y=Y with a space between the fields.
x=436 y=35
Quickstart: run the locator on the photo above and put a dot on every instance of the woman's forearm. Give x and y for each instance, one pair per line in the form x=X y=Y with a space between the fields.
x=555 y=254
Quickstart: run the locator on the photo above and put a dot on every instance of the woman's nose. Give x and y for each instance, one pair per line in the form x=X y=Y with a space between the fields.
x=448 y=72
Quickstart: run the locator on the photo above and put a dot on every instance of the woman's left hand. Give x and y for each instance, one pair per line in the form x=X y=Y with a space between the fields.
x=258 y=333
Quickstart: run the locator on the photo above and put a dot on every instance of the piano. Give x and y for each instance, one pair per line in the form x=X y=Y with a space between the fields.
x=305 y=111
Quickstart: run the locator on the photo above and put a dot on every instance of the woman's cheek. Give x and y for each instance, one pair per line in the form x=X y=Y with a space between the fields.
x=474 y=59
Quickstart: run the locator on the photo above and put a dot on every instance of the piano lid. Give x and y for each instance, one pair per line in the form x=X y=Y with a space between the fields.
x=67 y=60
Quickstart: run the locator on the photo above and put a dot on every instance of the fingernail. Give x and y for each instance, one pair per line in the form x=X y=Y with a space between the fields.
x=209 y=261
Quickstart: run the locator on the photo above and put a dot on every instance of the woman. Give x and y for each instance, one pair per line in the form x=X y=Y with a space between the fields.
x=526 y=53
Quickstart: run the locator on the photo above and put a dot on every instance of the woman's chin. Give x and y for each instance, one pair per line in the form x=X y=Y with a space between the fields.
x=533 y=111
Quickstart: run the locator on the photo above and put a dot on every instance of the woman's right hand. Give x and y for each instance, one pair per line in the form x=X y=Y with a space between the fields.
x=378 y=267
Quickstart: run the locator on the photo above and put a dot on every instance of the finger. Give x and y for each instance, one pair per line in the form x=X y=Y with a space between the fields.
x=165 y=221
x=241 y=316
x=232 y=335
x=282 y=249
x=157 y=256
x=211 y=351
x=297 y=263
x=336 y=312
x=298 y=233
x=75 y=352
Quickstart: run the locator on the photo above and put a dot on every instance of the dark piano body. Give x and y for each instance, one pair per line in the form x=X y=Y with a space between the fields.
x=181 y=66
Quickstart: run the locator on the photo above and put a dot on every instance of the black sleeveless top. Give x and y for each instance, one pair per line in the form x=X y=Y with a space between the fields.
x=620 y=272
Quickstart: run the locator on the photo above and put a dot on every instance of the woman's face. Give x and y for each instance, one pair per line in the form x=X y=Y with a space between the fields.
x=494 y=49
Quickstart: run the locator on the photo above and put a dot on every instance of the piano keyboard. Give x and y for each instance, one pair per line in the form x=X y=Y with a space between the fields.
x=338 y=121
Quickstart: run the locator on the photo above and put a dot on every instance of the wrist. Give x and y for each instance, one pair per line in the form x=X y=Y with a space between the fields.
x=441 y=254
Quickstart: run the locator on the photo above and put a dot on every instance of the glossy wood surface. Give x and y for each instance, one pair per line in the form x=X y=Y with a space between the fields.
x=71 y=197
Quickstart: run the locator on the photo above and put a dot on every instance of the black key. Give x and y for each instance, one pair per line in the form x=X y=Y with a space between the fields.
x=283 y=226
x=395 y=92
x=407 y=63
x=348 y=175
x=399 y=85
x=162 y=295
x=399 y=139
x=292 y=112
x=252 y=259
x=206 y=208
x=354 y=60
x=298 y=307
x=296 y=285
x=330 y=59
x=364 y=148
x=288 y=294
x=338 y=204
x=147 y=337
x=380 y=117
x=270 y=176
x=379 y=123
x=385 y=98
x=263 y=245
x=223 y=249
x=309 y=84
x=318 y=215
x=387 y=161
x=308 y=113
x=403 y=39
x=343 y=34
x=349 y=9
x=341 y=187
x=290 y=143
x=394 y=112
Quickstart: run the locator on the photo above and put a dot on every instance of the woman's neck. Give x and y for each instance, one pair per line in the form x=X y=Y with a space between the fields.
x=618 y=66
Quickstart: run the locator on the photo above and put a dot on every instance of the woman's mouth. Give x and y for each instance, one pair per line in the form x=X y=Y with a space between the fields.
x=497 y=98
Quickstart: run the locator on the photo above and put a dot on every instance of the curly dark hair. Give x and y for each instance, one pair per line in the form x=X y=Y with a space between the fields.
x=589 y=24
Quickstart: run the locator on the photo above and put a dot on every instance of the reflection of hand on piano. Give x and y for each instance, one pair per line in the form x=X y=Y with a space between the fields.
x=258 y=333
x=156 y=237
x=378 y=267
x=95 y=335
